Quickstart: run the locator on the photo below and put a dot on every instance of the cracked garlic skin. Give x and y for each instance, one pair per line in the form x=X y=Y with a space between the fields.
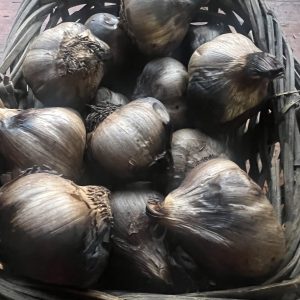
x=53 y=230
x=132 y=139
x=224 y=221
x=228 y=77
x=158 y=26
x=65 y=64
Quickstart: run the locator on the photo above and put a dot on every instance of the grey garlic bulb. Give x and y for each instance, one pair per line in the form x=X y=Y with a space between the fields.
x=55 y=137
x=228 y=77
x=165 y=79
x=224 y=221
x=65 y=64
x=158 y=26
x=54 y=231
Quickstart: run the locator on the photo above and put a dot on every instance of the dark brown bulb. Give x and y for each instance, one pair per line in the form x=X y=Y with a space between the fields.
x=54 y=136
x=53 y=231
x=189 y=149
x=106 y=28
x=65 y=65
x=224 y=221
x=138 y=246
x=165 y=79
x=228 y=77
x=132 y=139
x=158 y=26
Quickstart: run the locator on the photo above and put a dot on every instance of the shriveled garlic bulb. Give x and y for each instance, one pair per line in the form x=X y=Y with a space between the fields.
x=132 y=139
x=138 y=248
x=228 y=77
x=55 y=137
x=65 y=65
x=165 y=79
x=158 y=26
x=54 y=231
x=224 y=221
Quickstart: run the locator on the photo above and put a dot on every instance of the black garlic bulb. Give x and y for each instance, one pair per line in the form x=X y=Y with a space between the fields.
x=55 y=137
x=158 y=26
x=189 y=148
x=54 y=231
x=138 y=245
x=65 y=64
x=224 y=221
x=165 y=79
x=228 y=77
x=132 y=139
x=106 y=28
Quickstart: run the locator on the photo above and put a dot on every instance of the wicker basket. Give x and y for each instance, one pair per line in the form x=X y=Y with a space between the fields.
x=269 y=142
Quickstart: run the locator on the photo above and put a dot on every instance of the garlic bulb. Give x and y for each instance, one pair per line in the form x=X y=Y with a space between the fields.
x=132 y=139
x=98 y=114
x=165 y=79
x=201 y=34
x=189 y=148
x=106 y=103
x=158 y=26
x=106 y=28
x=108 y=96
x=65 y=65
x=54 y=231
x=224 y=221
x=54 y=137
x=138 y=248
x=228 y=77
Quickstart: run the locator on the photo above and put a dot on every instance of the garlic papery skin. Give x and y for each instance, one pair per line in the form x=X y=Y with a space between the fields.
x=137 y=246
x=190 y=148
x=55 y=137
x=166 y=80
x=228 y=77
x=132 y=139
x=224 y=221
x=65 y=64
x=54 y=231
x=158 y=26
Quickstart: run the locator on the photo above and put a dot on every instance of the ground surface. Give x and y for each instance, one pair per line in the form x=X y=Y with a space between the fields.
x=287 y=11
